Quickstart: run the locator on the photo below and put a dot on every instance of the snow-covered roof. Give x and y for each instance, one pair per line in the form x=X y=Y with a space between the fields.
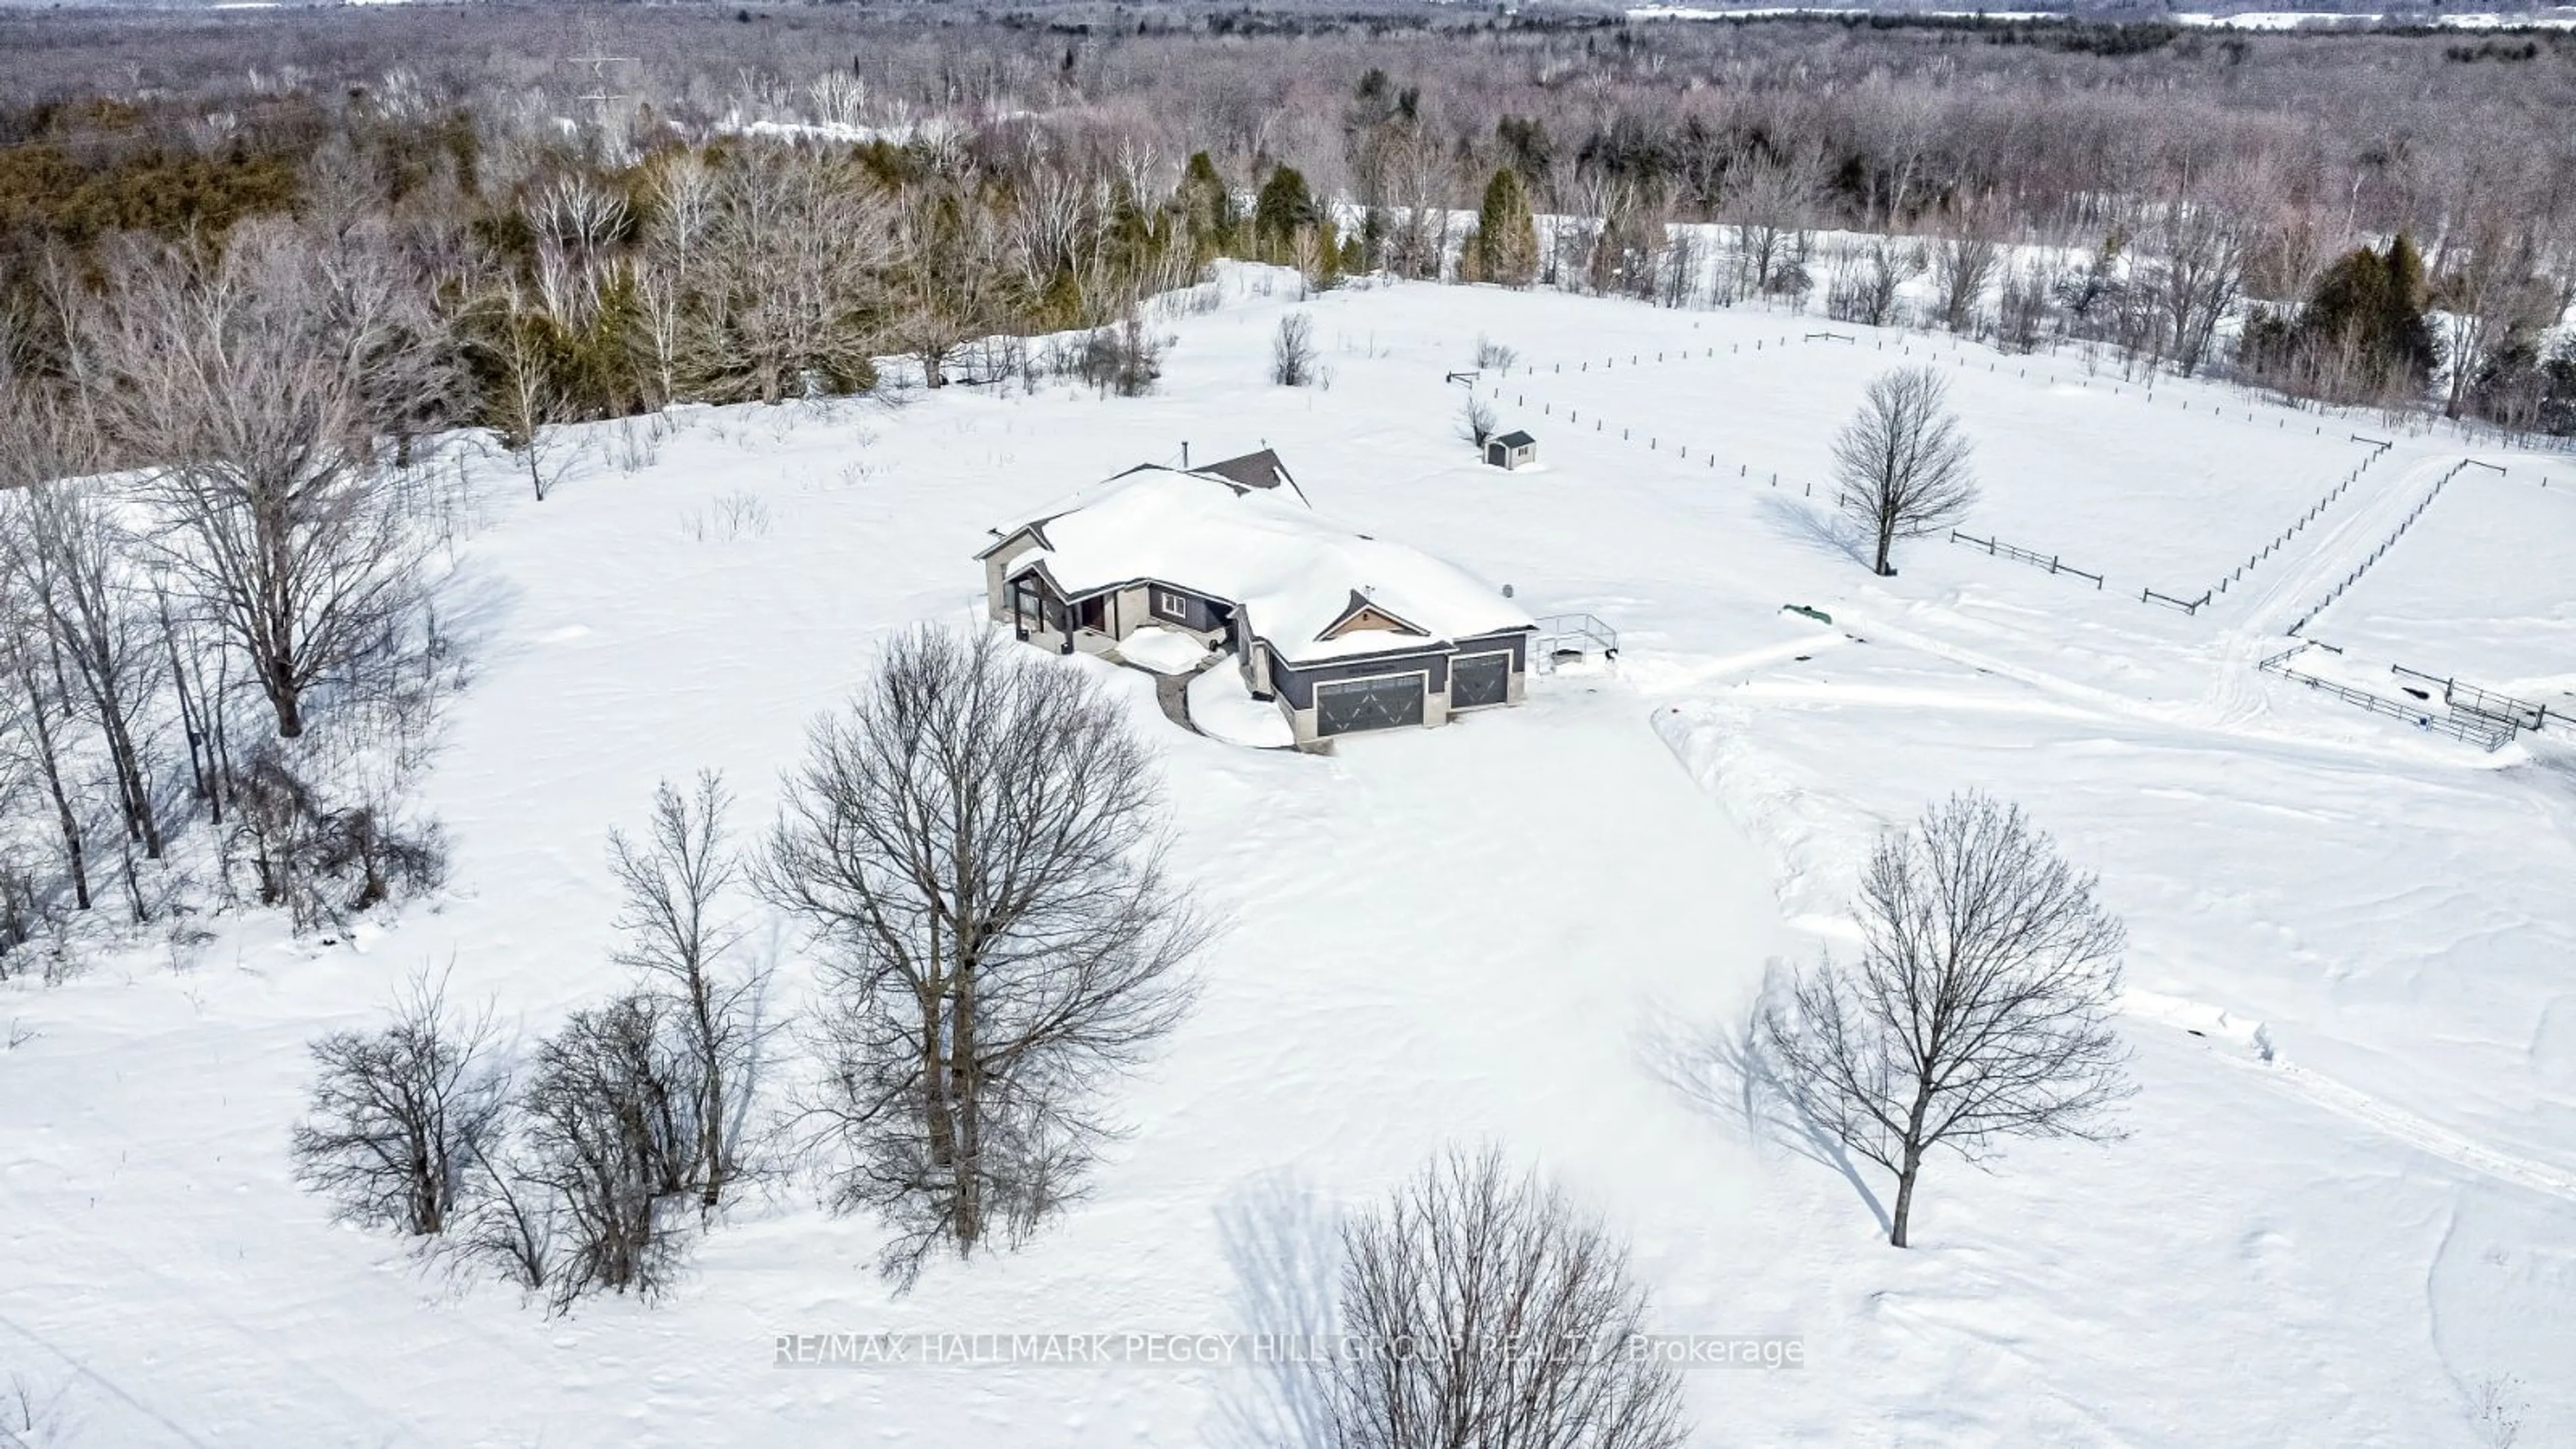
x=1313 y=589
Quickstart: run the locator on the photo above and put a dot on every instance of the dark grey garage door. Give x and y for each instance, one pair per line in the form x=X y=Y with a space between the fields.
x=1476 y=679
x=1368 y=704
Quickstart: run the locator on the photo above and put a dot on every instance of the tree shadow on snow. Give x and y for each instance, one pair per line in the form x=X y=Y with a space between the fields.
x=1284 y=1244
x=1819 y=530
x=472 y=606
x=1724 y=1071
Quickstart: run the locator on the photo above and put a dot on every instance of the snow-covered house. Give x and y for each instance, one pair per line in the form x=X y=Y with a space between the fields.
x=1343 y=631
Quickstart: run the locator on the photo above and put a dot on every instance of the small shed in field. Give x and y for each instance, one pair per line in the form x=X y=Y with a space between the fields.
x=1515 y=449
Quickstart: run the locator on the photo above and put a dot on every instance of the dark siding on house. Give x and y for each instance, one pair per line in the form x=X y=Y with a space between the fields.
x=1196 y=612
x=1517 y=641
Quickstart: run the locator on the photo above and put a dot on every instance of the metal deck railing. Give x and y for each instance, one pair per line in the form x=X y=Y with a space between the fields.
x=1560 y=635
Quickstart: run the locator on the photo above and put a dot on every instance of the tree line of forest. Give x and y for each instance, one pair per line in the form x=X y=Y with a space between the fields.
x=581 y=230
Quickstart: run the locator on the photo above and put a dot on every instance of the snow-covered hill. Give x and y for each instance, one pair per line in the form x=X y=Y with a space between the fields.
x=2346 y=1212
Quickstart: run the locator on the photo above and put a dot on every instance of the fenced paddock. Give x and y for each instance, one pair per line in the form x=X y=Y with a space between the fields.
x=2466 y=698
x=2432 y=718
x=2481 y=587
x=2170 y=492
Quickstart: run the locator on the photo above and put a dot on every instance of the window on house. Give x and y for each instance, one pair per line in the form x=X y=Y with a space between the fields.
x=1170 y=605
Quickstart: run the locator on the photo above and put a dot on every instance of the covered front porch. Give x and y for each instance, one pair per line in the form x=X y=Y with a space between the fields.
x=1102 y=621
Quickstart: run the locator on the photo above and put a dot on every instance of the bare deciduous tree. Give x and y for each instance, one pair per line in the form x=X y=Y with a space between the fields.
x=1864 y=288
x=524 y=402
x=1627 y=254
x=31 y=456
x=226 y=376
x=1773 y=198
x=398 y=1115
x=1964 y=262
x=1476 y=421
x=1484 y=1309
x=609 y=1141
x=34 y=714
x=81 y=572
x=976 y=844
x=2197 y=274
x=2489 y=292
x=2022 y=306
x=1421 y=177
x=1901 y=463
x=1979 y=1009
x=678 y=884
x=789 y=264
x=1292 y=351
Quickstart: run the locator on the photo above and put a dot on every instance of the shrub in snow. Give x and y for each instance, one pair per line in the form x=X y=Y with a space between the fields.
x=731 y=517
x=20 y=914
x=319 y=860
x=1292 y=351
x=1125 y=359
x=1476 y=422
x=2021 y=313
x=610 y=1141
x=399 y=1115
x=1865 y=285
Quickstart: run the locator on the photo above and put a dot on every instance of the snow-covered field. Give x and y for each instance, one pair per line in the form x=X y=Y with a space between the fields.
x=2478 y=588
x=2076 y=463
x=2346 y=1212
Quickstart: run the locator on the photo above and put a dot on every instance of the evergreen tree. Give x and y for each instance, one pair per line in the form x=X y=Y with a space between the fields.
x=1207 y=205
x=1284 y=206
x=1527 y=148
x=1506 y=232
x=2362 y=334
x=2374 y=302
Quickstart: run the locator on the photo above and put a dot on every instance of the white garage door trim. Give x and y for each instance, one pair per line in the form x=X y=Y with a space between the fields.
x=1505 y=697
